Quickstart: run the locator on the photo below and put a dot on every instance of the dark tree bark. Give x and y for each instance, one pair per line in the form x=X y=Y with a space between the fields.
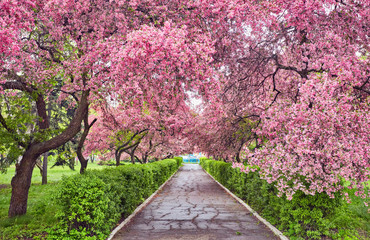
x=83 y=163
x=237 y=157
x=81 y=158
x=138 y=159
x=21 y=183
x=118 y=157
x=170 y=155
x=145 y=158
x=150 y=150
x=45 y=169
x=46 y=155
x=131 y=152
x=126 y=146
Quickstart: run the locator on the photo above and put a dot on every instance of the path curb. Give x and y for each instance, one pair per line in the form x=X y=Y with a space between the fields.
x=264 y=221
x=139 y=208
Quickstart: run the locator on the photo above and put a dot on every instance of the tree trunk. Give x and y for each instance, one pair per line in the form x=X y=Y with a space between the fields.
x=21 y=183
x=82 y=160
x=237 y=157
x=83 y=163
x=46 y=154
x=138 y=159
x=45 y=169
x=39 y=166
x=118 y=158
x=80 y=156
x=132 y=156
x=170 y=155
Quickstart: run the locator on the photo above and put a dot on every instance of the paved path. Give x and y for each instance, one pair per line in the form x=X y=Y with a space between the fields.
x=193 y=206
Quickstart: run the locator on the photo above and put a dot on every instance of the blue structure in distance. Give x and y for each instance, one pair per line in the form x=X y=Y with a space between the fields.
x=190 y=158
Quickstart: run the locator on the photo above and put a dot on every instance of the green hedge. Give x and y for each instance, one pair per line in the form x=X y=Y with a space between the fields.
x=94 y=202
x=304 y=217
x=179 y=160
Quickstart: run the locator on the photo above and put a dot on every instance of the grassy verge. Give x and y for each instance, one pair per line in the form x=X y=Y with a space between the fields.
x=40 y=214
x=361 y=214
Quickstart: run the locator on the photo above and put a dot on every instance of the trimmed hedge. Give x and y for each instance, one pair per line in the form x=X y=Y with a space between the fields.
x=304 y=217
x=94 y=202
x=179 y=160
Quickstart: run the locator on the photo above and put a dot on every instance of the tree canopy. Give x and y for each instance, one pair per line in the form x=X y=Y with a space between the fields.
x=285 y=84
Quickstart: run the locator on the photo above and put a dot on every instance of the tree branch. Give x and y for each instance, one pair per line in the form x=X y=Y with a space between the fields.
x=73 y=128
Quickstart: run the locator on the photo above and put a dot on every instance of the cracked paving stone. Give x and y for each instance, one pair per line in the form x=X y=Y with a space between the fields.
x=193 y=206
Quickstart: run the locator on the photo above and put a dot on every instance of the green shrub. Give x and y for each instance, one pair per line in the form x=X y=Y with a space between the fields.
x=179 y=160
x=86 y=209
x=92 y=203
x=304 y=217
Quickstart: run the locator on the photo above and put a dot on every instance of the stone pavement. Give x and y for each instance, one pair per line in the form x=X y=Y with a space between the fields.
x=193 y=206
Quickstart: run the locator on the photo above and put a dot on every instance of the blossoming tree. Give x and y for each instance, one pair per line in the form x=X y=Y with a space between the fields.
x=299 y=70
x=88 y=52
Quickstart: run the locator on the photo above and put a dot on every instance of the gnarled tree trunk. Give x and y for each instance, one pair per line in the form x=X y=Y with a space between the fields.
x=80 y=156
x=118 y=157
x=21 y=183
x=132 y=154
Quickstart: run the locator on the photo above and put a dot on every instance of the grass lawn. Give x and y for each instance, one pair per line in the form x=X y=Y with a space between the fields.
x=40 y=214
x=54 y=174
x=41 y=207
x=362 y=214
